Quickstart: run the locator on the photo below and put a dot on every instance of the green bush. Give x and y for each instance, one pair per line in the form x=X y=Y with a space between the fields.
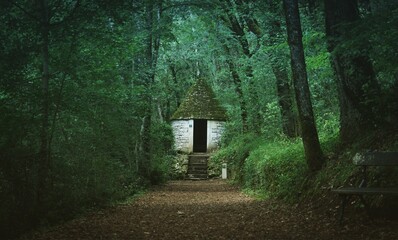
x=162 y=153
x=234 y=155
x=277 y=168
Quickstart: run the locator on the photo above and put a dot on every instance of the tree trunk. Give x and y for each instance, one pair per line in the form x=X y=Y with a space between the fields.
x=312 y=148
x=358 y=87
x=239 y=92
x=365 y=4
x=153 y=13
x=251 y=119
x=174 y=77
x=289 y=119
x=285 y=101
x=145 y=146
x=44 y=155
x=312 y=6
x=284 y=92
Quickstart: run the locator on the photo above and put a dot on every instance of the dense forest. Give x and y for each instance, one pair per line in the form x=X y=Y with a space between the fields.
x=87 y=89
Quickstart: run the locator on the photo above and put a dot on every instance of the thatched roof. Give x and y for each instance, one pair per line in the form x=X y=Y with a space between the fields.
x=200 y=103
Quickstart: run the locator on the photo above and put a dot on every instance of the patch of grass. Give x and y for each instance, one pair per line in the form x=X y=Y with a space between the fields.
x=257 y=194
x=131 y=199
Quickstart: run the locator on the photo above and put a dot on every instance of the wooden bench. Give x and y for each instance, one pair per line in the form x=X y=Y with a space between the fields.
x=366 y=160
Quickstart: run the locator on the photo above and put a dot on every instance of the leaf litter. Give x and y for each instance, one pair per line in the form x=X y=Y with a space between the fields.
x=214 y=209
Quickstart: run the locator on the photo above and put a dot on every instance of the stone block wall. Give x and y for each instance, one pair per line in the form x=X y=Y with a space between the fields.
x=183 y=135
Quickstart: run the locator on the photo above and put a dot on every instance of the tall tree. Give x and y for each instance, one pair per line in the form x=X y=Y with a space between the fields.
x=44 y=154
x=357 y=82
x=238 y=89
x=279 y=68
x=238 y=21
x=312 y=148
x=153 y=12
x=247 y=21
x=64 y=141
x=42 y=15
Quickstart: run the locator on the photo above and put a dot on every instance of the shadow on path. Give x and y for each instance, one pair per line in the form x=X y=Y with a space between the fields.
x=212 y=209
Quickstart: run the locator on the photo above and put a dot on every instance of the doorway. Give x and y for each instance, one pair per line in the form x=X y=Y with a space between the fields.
x=200 y=135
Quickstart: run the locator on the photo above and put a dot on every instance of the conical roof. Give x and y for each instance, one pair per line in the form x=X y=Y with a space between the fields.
x=200 y=103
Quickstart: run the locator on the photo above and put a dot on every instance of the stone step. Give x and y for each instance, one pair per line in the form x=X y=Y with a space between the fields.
x=197 y=159
x=196 y=176
x=202 y=168
x=197 y=172
x=199 y=155
x=197 y=167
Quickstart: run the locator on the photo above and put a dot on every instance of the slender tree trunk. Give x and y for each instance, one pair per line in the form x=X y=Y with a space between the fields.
x=365 y=4
x=289 y=119
x=174 y=77
x=358 y=87
x=239 y=92
x=44 y=155
x=312 y=6
x=312 y=148
x=167 y=114
x=284 y=91
x=145 y=146
x=153 y=10
x=285 y=97
x=251 y=119
x=160 y=112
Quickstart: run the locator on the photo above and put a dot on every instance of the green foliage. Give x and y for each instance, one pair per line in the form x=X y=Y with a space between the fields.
x=277 y=168
x=272 y=117
x=162 y=154
x=96 y=108
x=328 y=127
x=340 y=171
x=235 y=155
x=99 y=93
x=336 y=173
x=268 y=167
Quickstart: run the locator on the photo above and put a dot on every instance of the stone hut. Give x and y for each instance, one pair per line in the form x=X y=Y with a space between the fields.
x=199 y=121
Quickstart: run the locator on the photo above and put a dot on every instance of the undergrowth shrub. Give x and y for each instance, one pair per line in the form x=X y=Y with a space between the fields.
x=277 y=169
x=235 y=154
x=82 y=183
x=162 y=153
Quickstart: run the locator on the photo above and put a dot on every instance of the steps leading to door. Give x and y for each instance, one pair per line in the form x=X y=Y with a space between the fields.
x=197 y=166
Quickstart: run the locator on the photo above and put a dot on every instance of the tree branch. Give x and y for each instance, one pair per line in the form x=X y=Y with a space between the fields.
x=69 y=16
x=26 y=12
x=204 y=4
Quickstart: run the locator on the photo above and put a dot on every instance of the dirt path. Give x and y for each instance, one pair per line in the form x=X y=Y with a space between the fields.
x=213 y=210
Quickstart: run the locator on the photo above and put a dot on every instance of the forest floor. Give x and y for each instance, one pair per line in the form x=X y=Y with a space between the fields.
x=214 y=209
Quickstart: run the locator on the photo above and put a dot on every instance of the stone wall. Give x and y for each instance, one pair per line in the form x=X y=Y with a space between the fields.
x=215 y=130
x=183 y=135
